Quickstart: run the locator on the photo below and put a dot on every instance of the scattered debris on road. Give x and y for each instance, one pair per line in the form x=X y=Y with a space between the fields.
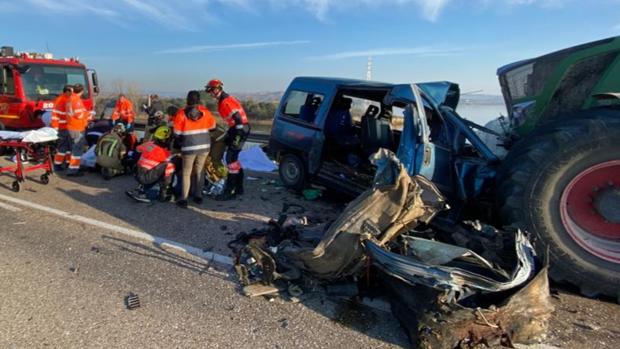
x=132 y=301
x=452 y=286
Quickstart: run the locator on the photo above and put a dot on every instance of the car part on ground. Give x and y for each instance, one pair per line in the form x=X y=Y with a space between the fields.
x=457 y=282
x=387 y=232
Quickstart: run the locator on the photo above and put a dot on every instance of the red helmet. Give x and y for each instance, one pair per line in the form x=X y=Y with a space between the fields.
x=214 y=84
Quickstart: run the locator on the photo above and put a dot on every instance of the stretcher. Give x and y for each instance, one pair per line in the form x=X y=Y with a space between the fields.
x=32 y=153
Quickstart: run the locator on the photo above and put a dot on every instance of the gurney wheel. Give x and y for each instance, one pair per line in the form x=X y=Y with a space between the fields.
x=16 y=186
x=45 y=179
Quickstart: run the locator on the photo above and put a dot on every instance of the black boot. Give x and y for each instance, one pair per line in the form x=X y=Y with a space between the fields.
x=165 y=194
x=229 y=188
x=239 y=183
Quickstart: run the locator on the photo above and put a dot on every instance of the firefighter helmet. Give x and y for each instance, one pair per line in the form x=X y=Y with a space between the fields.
x=119 y=128
x=162 y=133
x=214 y=84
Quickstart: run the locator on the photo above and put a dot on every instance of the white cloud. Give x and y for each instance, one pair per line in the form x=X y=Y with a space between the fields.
x=195 y=14
x=410 y=51
x=213 y=48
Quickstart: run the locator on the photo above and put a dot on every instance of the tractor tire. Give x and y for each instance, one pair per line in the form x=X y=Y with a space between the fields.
x=292 y=172
x=562 y=185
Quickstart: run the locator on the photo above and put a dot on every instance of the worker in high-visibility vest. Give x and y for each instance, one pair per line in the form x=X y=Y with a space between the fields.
x=59 y=123
x=155 y=166
x=232 y=113
x=78 y=118
x=191 y=128
x=123 y=112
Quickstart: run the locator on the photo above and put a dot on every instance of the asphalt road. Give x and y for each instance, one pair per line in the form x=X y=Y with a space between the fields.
x=72 y=250
x=64 y=280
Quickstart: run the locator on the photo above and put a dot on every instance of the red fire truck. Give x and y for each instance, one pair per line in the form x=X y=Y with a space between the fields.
x=29 y=83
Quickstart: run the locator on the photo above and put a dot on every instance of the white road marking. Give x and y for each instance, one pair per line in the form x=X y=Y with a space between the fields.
x=210 y=256
x=9 y=207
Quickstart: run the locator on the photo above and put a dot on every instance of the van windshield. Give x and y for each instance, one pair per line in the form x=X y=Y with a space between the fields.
x=47 y=81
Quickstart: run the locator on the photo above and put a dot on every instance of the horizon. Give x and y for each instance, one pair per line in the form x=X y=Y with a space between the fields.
x=170 y=47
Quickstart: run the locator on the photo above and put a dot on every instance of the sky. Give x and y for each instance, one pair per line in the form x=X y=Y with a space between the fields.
x=173 y=46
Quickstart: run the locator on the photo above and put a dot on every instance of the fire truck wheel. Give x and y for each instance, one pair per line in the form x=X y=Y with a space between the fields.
x=45 y=179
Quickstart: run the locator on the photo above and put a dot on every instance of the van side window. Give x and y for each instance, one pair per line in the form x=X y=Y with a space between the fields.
x=303 y=105
x=7 y=87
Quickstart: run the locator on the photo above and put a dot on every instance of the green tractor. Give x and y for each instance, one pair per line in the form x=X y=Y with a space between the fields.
x=560 y=179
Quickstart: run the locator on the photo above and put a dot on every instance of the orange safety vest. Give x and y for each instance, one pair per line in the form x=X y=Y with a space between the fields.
x=124 y=110
x=59 y=113
x=194 y=134
x=152 y=155
x=77 y=116
x=227 y=107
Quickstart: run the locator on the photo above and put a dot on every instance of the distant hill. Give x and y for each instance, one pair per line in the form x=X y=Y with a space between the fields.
x=259 y=96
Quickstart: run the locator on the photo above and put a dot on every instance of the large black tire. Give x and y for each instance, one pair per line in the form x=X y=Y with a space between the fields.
x=531 y=183
x=292 y=172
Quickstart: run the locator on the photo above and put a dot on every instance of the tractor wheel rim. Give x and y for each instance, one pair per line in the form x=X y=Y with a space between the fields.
x=587 y=210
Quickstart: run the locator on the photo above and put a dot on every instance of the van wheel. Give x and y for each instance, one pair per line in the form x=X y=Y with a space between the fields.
x=292 y=172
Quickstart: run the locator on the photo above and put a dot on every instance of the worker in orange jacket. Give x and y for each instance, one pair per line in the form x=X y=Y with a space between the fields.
x=123 y=112
x=78 y=118
x=191 y=128
x=232 y=113
x=59 y=123
x=155 y=166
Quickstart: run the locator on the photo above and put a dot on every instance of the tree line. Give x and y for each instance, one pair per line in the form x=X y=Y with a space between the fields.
x=255 y=110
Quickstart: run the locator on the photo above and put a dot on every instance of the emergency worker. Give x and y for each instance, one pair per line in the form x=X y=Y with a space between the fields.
x=59 y=123
x=153 y=123
x=111 y=152
x=191 y=128
x=123 y=112
x=78 y=118
x=232 y=113
x=154 y=167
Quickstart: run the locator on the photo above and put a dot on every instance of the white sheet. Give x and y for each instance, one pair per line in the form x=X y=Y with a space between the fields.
x=45 y=134
x=89 y=159
x=255 y=159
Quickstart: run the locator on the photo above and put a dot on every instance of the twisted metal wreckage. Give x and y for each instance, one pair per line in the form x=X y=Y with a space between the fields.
x=459 y=287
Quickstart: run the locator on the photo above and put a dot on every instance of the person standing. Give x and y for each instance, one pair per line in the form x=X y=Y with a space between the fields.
x=78 y=118
x=232 y=113
x=59 y=123
x=123 y=112
x=191 y=128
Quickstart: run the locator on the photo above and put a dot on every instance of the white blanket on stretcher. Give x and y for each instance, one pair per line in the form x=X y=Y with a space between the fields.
x=42 y=135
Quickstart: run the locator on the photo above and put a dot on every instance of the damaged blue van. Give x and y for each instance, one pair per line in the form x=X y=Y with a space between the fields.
x=325 y=129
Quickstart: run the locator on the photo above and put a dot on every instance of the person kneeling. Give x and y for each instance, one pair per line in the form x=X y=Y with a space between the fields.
x=154 y=167
x=111 y=152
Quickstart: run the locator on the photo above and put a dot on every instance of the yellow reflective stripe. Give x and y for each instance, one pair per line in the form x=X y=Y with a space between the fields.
x=9 y=116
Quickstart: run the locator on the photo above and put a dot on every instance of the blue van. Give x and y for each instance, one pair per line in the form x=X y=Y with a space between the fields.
x=325 y=129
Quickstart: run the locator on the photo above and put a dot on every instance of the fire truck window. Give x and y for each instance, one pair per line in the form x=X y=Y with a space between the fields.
x=47 y=81
x=8 y=86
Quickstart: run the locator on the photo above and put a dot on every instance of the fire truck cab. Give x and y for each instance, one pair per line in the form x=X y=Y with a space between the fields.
x=30 y=82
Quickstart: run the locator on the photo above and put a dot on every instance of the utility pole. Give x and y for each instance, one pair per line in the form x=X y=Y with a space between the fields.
x=369 y=69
